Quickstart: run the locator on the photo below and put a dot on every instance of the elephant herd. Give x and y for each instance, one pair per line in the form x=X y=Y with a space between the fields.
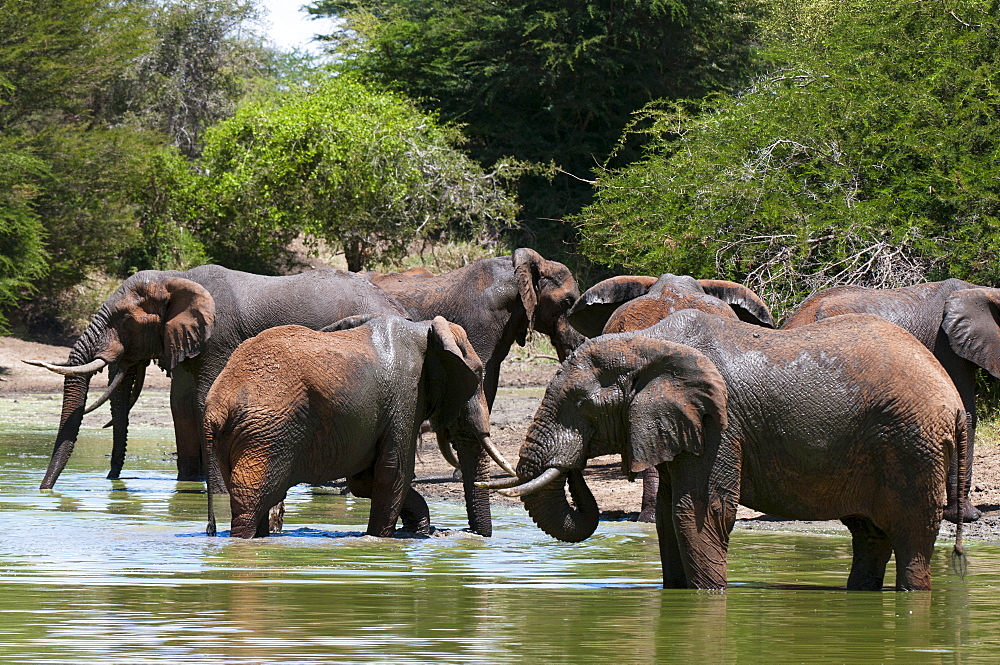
x=860 y=407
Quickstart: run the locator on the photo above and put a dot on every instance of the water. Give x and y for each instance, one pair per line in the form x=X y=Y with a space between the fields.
x=114 y=571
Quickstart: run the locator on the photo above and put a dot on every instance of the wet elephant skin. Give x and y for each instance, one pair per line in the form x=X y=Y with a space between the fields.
x=849 y=418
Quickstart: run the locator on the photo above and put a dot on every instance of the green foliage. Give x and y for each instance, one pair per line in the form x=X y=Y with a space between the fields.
x=22 y=258
x=199 y=64
x=91 y=93
x=867 y=155
x=544 y=81
x=363 y=170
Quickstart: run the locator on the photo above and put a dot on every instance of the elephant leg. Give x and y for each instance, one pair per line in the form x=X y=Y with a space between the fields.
x=385 y=509
x=650 y=494
x=912 y=541
x=415 y=516
x=704 y=512
x=670 y=553
x=187 y=427
x=872 y=550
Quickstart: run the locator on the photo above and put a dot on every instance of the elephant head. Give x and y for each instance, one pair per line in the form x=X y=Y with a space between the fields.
x=633 y=302
x=648 y=400
x=151 y=316
x=972 y=324
x=548 y=291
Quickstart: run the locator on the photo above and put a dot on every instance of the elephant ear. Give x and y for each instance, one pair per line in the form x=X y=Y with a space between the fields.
x=972 y=323
x=188 y=322
x=592 y=311
x=749 y=306
x=679 y=400
x=463 y=368
x=527 y=269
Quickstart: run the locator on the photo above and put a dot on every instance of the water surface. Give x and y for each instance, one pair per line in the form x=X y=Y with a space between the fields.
x=113 y=571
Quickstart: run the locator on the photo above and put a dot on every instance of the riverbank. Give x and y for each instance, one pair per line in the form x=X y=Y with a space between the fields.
x=522 y=380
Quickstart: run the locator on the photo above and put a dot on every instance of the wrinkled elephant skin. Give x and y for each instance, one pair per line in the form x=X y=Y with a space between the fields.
x=956 y=320
x=295 y=405
x=849 y=418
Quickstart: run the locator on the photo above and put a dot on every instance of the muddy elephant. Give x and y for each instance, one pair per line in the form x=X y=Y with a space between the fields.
x=189 y=323
x=294 y=405
x=628 y=303
x=849 y=418
x=958 y=321
x=632 y=302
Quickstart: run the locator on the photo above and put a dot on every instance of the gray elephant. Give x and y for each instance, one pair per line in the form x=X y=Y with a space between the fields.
x=956 y=320
x=189 y=323
x=628 y=303
x=497 y=301
x=632 y=302
x=849 y=418
x=295 y=405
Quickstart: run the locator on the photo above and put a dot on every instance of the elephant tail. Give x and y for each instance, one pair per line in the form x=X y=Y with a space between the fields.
x=959 y=560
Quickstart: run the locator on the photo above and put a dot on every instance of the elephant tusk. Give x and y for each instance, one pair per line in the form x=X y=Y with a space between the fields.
x=92 y=367
x=499 y=483
x=534 y=485
x=115 y=382
x=449 y=454
x=497 y=457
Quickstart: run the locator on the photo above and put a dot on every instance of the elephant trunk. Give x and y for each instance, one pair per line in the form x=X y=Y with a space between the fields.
x=474 y=463
x=553 y=513
x=75 y=389
x=566 y=339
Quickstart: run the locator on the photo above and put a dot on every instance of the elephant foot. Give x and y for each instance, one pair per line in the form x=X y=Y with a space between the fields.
x=647 y=515
x=276 y=518
x=969 y=512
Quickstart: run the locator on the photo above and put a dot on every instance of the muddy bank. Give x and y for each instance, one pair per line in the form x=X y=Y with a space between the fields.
x=522 y=384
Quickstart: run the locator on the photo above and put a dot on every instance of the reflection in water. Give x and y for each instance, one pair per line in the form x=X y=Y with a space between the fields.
x=114 y=571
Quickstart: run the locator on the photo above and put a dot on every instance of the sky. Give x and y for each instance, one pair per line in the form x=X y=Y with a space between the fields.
x=290 y=27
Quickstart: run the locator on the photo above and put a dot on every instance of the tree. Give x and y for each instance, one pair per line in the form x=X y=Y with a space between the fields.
x=204 y=56
x=544 y=81
x=868 y=155
x=335 y=160
x=22 y=259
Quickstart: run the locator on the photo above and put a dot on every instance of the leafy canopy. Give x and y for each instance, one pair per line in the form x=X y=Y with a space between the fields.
x=335 y=160
x=544 y=81
x=868 y=154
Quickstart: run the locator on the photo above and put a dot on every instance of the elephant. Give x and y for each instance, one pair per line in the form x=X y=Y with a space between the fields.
x=959 y=322
x=296 y=405
x=497 y=301
x=849 y=418
x=189 y=322
x=628 y=303
x=632 y=302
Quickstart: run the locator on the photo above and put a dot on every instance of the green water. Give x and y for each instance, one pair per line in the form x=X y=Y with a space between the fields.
x=112 y=572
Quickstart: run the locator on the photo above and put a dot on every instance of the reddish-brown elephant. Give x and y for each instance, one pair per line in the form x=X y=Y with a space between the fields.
x=849 y=418
x=628 y=303
x=959 y=322
x=295 y=405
